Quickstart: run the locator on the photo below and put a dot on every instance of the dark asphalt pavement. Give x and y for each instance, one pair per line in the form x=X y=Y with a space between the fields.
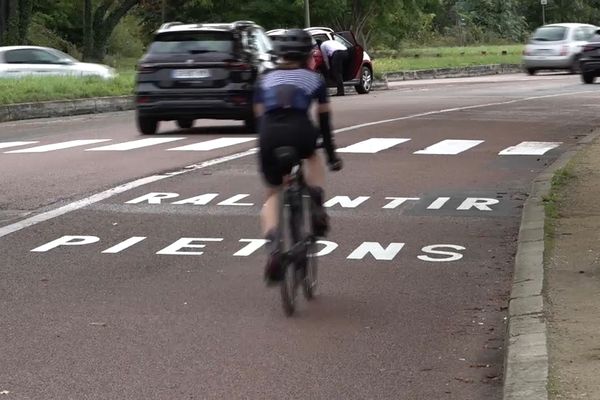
x=107 y=301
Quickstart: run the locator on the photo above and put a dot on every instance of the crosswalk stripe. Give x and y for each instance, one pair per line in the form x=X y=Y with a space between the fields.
x=373 y=145
x=135 y=144
x=212 y=144
x=450 y=147
x=58 y=146
x=15 y=144
x=530 y=149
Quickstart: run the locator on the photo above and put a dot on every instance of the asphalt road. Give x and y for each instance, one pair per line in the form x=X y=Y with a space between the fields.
x=126 y=275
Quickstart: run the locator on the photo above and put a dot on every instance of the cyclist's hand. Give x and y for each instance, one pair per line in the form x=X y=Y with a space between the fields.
x=336 y=164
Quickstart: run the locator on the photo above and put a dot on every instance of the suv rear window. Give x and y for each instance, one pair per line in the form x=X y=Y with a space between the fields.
x=192 y=42
x=550 y=34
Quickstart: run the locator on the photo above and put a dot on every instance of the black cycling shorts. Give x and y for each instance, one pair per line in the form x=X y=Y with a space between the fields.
x=284 y=129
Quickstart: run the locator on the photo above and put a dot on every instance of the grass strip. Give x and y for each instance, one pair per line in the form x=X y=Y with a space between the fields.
x=36 y=89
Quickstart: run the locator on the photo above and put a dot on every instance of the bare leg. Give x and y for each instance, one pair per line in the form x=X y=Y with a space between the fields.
x=269 y=214
x=315 y=171
x=315 y=179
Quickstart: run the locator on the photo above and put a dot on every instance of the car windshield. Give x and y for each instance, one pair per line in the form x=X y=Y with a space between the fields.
x=550 y=34
x=64 y=56
x=193 y=42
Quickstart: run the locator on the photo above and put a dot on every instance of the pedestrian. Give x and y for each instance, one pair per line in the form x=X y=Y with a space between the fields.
x=335 y=56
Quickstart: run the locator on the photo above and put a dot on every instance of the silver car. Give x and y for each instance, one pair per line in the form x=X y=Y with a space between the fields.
x=19 y=61
x=556 y=46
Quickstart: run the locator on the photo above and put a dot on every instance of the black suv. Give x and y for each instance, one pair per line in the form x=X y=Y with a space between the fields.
x=193 y=71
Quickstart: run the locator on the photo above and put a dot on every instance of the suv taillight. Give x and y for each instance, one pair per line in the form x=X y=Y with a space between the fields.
x=564 y=50
x=146 y=68
x=238 y=66
x=589 y=47
x=240 y=71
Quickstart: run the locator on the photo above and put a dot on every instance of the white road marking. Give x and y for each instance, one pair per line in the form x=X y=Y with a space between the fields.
x=136 y=144
x=373 y=145
x=530 y=149
x=213 y=144
x=15 y=144
x=450 y=147
x=76 y=205
x=438 y=203
x=45 y=216
x=448 y=110
x=58 y=146
x=124 y=245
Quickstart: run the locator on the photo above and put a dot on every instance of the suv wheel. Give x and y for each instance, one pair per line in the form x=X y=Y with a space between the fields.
x=588 y=77
x=531 y=71
x=366 y=81
x=185 y=123
x=147 y=125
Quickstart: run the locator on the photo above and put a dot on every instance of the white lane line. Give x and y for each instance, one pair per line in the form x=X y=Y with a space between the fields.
x=450 y=147
x=530 y=149
x=213 y=144
x=76 y=205
x=136 y=144
x=15 y=144
x=448 y=110
x=17 y=226
x=373 y=145
x=58 y=146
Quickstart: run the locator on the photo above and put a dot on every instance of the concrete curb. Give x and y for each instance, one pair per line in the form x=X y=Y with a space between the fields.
x=460 y=72
x=63 y=108
x=526 y=359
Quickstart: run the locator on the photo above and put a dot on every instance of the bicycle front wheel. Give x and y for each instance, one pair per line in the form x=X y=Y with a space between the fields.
x=309 y=283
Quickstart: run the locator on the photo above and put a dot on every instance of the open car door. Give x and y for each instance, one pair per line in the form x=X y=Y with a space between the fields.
x=356 y=56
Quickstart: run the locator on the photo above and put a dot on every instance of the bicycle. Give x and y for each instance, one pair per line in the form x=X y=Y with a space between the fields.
x=295 y=242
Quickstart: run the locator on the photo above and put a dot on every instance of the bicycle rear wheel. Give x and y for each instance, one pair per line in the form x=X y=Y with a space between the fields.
x=289 y=284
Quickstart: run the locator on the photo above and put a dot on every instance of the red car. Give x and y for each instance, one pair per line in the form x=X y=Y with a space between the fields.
x=359 y=72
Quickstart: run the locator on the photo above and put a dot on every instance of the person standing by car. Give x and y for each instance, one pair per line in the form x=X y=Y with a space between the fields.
x=335 y=55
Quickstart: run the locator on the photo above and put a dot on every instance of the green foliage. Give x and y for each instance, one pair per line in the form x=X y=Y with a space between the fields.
x=126 y=39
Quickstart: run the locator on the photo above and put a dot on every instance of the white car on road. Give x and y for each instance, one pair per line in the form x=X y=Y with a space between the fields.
x=20 y=61
x=556 y=46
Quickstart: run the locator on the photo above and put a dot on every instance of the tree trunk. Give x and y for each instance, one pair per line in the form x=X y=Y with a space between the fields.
x=88 y=30
x=25 y=10
x=12 y=31
x=3 y=20
x=104 y=25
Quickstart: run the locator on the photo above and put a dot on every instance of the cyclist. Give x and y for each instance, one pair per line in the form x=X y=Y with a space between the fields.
x=282 y=101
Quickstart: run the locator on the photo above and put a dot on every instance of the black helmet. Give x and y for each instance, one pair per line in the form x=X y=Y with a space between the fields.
x=293 y=44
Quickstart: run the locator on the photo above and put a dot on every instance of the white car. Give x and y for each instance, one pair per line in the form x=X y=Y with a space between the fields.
x=19 y=61
x=556 y=46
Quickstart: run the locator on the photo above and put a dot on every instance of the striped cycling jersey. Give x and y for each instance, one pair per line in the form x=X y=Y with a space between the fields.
x=285 y=89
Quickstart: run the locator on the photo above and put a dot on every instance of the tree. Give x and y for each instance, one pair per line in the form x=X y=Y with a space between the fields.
x=105 y=18
x=88 y=29
x=15 y=18
x=3 y=19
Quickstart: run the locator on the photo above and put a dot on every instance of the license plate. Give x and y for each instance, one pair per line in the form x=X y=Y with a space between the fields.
x=544 y=52
x=191 y=73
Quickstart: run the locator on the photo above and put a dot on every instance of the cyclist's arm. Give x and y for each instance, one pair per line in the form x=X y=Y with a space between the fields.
x=257 y=101
x=259 y=110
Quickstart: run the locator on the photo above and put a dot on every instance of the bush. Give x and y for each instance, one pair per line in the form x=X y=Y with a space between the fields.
x=126 y=40
x=39 y=35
